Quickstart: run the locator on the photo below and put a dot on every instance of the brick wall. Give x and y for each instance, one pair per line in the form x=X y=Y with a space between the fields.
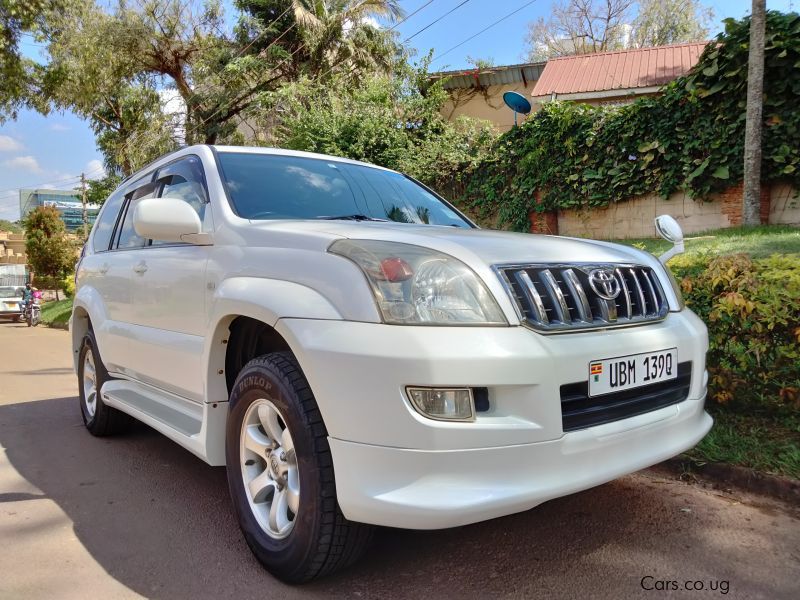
x=780 y=204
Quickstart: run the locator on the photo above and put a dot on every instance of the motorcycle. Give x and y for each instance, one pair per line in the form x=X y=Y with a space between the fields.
x=32 y=312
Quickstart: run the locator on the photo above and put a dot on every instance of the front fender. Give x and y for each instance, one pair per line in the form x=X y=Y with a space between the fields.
x=266 y=300
x=269 y=300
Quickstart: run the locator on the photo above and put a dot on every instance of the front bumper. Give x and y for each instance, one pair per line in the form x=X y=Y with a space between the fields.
x=419 y=489
x=395 y=467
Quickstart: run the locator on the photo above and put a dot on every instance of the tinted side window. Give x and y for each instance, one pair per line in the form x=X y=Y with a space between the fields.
x=128 y=238
x=191 y=192
x=104 y=226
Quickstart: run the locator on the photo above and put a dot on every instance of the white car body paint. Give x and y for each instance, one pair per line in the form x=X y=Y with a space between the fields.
x=162 y=331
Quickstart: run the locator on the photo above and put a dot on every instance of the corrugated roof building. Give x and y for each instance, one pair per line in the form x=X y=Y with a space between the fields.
x=478 y=93
x=615 y=76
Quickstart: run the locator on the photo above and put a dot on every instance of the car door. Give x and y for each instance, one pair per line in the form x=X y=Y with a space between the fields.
x=168 y=294
x=107 y=272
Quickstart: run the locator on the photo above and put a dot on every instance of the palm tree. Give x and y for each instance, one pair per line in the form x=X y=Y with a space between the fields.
x=341 y=31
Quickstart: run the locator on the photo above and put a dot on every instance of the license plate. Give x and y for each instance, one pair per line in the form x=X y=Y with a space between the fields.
x=11 y=305
x=632 y=371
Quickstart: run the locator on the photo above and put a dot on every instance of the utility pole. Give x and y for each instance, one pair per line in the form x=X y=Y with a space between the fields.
x=751 y=207
x=85 y=213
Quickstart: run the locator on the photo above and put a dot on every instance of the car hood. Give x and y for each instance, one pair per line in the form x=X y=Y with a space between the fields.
x=469 y=245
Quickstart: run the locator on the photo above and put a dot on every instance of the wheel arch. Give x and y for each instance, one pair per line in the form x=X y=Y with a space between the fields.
x=245 y=311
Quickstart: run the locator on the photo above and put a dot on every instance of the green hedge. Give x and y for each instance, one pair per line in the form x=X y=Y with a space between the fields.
x=752 y=309
x=689 y=138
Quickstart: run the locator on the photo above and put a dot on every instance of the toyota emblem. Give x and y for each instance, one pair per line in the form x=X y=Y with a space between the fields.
x=604 y=283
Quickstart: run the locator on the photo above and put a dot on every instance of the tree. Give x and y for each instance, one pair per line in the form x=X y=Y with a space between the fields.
x=98 y=190
x=19 y=18
x=393 y=121
x=6 y=225
x=661 y=22
x=585 y=26
x=51 y=254
x=752 y=137
x=580 y=27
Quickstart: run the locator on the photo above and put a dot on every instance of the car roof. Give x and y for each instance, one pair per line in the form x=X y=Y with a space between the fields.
x=187 y=150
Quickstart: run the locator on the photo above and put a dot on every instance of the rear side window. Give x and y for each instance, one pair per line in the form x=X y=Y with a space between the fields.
x=104 y=226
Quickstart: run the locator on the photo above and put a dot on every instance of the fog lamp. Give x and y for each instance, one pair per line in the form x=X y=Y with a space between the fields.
x=447 y=404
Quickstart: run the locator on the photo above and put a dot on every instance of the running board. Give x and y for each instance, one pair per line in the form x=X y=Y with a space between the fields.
x=200 y=428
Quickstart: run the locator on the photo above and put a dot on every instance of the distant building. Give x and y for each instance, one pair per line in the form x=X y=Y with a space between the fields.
x=68 y=203
x=599 y=78
x=478 y=93
x=614 y=77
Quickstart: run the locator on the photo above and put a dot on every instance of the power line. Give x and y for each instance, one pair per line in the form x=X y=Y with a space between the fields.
x=65 y=183
x=432 y=23
x=472 y=37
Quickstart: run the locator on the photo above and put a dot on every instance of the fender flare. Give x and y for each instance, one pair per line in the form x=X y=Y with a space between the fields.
x=266 y=300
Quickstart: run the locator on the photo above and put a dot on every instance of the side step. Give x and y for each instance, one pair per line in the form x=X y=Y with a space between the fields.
x=188 y=423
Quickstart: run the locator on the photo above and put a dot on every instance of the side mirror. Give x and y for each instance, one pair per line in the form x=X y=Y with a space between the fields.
x=668 y=228
x=167 y=220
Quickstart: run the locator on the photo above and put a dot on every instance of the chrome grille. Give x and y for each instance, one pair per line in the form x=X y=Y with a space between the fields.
x=571 y=297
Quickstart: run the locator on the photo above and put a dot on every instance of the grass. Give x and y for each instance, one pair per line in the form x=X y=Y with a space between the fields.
x=766 y=444
x=758 y=242
x=56 y=312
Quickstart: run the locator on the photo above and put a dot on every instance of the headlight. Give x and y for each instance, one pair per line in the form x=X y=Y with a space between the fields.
x=419 y=286
x=676 y=287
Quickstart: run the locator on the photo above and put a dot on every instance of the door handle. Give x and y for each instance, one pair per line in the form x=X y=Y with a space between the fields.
x=140 y=268
x=104 y=268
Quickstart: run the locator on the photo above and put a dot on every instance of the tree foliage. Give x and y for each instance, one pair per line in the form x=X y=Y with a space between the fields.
x=661 y=22
x=50 y=252
x=18 y=74
x=689 y=138
x=587 y=26
x=579 y=27
x=10 y=226
x=389 y=121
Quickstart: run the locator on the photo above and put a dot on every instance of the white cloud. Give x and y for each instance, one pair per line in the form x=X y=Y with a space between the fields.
x=95 y=169
x=9 y=144
x=59 y=127
x=26 y=163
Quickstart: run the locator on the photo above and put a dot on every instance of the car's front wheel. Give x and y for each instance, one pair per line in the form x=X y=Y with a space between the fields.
x=280 y=474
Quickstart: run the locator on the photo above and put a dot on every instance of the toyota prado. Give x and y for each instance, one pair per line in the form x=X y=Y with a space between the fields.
x=357 y=352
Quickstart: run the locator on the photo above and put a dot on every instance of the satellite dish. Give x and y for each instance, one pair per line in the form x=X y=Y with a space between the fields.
x=518 y=103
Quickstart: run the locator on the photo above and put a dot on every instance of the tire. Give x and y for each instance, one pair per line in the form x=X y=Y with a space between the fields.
x=18 y=319
x=298 y=470
x=101 y=420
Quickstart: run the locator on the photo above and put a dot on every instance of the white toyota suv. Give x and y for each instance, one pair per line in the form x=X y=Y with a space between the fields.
x=357 y=352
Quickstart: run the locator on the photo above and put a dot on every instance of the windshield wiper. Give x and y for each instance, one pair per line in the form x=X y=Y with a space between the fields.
x=353 y=218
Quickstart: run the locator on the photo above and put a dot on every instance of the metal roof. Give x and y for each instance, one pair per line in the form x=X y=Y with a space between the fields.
x=619 y=70
x=502 y=75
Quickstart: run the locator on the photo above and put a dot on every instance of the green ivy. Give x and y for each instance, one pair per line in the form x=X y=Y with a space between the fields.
x=690 y=138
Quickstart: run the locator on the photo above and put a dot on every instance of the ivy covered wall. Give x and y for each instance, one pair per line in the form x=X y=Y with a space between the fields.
x=690 y=138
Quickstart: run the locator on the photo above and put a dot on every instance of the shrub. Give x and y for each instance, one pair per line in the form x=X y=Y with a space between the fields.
x=68 y=285
x=752 y=309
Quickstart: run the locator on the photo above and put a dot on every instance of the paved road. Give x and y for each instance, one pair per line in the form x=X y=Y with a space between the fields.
x=136 y=516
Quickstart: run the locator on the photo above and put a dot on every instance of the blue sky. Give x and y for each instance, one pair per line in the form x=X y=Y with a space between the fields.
x=52 y=151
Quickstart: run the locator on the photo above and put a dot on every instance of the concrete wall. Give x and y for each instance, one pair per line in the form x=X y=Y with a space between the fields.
x=12 y=248
x=785 y=205
x=486 y=104
x=780 y=204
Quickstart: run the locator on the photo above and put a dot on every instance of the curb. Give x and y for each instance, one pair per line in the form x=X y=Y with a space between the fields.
x=742 y=478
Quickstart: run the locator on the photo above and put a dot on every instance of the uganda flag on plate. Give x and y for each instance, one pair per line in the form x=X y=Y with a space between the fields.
x=595 y=370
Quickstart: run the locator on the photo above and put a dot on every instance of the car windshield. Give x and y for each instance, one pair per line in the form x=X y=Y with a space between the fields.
x=10 y=292
x=273 y=186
